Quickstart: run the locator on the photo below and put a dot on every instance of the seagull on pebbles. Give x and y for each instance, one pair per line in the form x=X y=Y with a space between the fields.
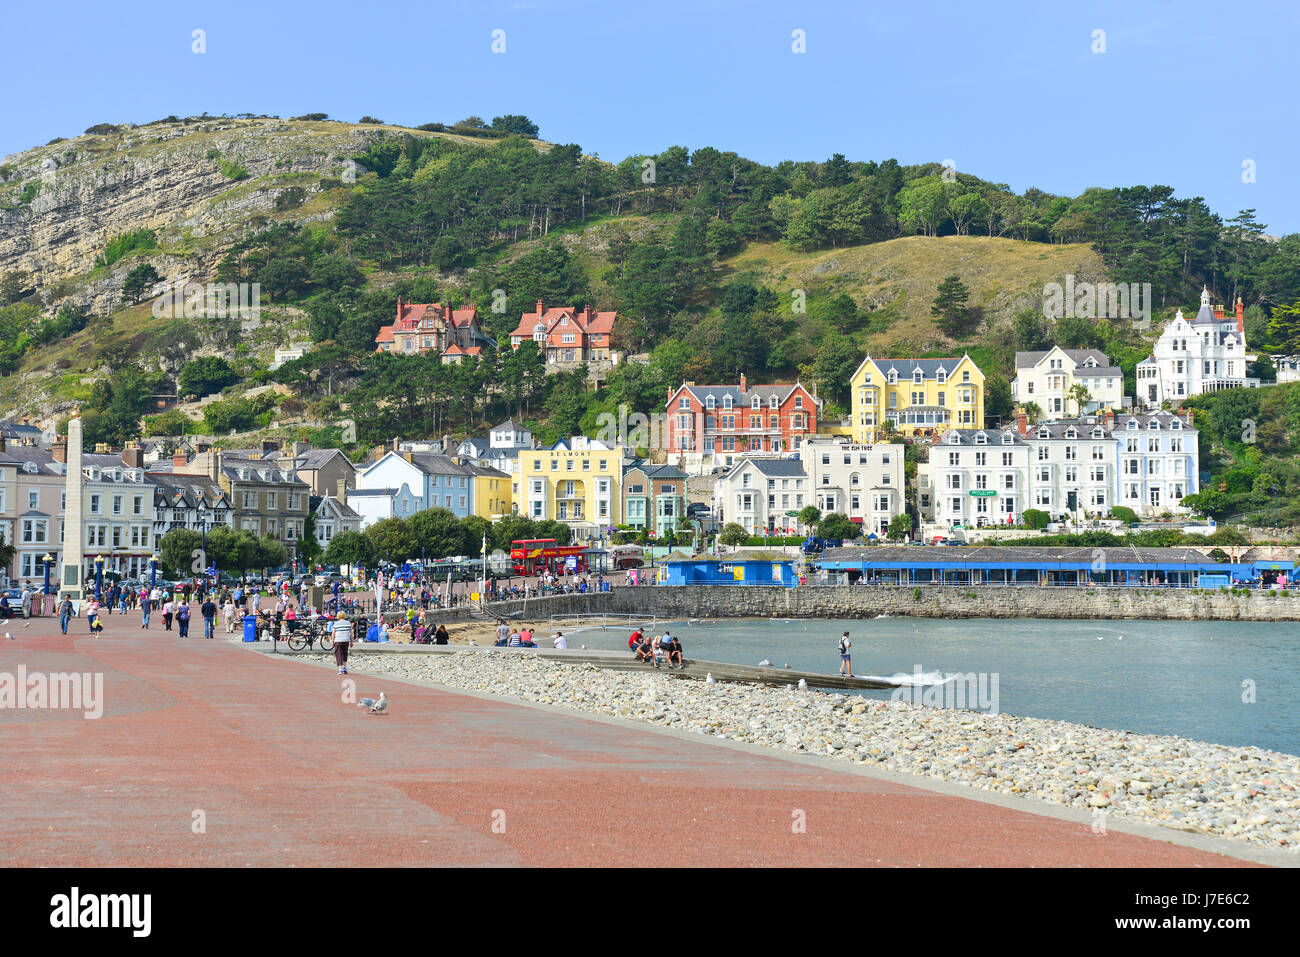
x=803 y=685
x=709 y=679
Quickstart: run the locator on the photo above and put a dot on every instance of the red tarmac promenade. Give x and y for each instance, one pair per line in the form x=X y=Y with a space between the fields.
x=278 y=770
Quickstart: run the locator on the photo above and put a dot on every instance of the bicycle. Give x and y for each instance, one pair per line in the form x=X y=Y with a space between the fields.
x=302 y=637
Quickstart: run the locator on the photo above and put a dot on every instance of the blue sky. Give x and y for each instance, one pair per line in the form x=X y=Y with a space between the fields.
x=1183 y=94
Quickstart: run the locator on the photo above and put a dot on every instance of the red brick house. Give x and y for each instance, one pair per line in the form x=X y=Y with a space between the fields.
x=567 y=336
x=433 y=327
x=719 y=422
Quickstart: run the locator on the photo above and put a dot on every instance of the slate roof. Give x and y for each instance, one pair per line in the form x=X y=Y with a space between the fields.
x=1027 y=360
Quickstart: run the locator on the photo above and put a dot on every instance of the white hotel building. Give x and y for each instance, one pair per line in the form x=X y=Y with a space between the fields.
x=975 y=477
x=864 y=482
x=1204 y=354
x=1143 y=461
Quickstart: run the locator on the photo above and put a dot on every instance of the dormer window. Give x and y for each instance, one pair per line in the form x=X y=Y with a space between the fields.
x=1007 y=438
x=893 y=376
x=953 y=438
x=917 y=376
x=1175 y=424
x=1098 y=434
x=1044 y=434
x=564 y=320
x=981 y=439
x=1153 y=426
x=941 y=376
x=771 y=403
x=1131 y=424
x=726 y=402
x=756 y=403
x=710 y=403
x=1071 y=434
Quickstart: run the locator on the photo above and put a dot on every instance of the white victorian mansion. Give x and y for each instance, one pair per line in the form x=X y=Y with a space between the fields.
x=1204 y=354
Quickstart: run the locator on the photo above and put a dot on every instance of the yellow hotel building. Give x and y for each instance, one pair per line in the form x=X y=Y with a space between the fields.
x=919 y=396
x=577 y=482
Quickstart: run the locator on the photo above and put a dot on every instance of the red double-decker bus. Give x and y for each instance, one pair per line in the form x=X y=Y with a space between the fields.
x=533 y=556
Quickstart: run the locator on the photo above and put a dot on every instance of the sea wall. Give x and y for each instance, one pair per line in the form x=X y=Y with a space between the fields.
x=868 y=601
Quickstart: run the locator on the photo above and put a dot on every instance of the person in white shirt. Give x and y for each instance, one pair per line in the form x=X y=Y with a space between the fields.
x=342 y=641
x=558 y=638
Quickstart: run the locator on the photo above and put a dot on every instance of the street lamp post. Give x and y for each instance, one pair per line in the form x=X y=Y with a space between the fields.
x=99 y=576
x=1274 y=490
x=203 y=549
x=153 y=571
x=47 y=560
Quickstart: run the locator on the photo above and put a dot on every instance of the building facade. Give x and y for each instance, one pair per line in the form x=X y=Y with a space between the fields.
x=491 y=496
x=918 y=397
x=864 y=482
x=433 y=327
x=1158 y=454
x=718 y=425
x=32 y=510
x=1048 y=378
x=1073 y=458
x=975 y=477
x=566 y=336
x=1203 y=354
x=757 y=494
x=436 y=481
x=577 y=482
x=654 y=498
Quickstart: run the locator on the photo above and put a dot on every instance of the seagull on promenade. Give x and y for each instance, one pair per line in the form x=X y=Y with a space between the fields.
x=366 y=703
x=380 y=706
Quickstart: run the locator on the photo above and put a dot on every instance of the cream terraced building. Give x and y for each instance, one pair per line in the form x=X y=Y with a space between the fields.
x=864 y=482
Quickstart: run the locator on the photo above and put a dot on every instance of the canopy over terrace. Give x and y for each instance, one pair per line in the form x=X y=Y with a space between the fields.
x=742 y=568
x=1030 y=565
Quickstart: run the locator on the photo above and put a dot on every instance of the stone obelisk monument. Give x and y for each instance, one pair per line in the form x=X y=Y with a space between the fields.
x=74 y=530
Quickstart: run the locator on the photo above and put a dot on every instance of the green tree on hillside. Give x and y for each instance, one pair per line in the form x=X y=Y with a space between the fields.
x=949 y=306
x=205 y=375
x=139 y=280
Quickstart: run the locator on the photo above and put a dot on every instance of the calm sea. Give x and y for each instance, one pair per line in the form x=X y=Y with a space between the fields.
x=1187 y=678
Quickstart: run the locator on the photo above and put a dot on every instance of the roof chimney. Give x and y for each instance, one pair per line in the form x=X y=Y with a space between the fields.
x=399 y=308
x=214 y=464
x=539 y=307
x=1022 y=423
x=1241 y=316
x=743 y=389
x=132 y=455
x=394 y=443
x=342 y=489
x=180 y=460
x=2 y=441
x=409 y=456
x=60 y=448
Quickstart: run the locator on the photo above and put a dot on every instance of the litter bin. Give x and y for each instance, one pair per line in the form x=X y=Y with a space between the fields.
x=250 y=628
x=604 y=586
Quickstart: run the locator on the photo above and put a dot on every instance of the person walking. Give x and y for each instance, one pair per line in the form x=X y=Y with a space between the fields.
x=146 y=607
x=342 y=630
x=65 y=613
x=209 y=612
x=26 y=598
x=229 y=612
x=183 y=617
x=168 y=609
x=846 y=659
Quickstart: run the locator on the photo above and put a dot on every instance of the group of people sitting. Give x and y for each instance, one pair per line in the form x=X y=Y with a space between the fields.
x=659 y=648
x=508 y=637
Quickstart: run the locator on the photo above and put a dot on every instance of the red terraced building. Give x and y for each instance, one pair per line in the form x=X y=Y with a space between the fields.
x=722 y=420
x=566 y=335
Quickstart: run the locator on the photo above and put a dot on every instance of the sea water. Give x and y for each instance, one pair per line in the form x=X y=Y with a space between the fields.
x=1227 y=682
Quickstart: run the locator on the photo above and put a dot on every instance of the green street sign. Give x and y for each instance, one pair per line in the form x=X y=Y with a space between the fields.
x=791 y=514
x=983 y=492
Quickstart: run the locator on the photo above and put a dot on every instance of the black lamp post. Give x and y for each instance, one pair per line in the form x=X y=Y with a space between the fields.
x=1274 y=490
x=99 y=576
x=48 y=561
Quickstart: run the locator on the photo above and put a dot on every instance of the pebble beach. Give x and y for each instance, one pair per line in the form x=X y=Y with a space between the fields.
x=1239 y=793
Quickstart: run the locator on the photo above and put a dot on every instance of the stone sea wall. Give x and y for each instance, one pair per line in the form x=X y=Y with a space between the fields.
x=868 y=601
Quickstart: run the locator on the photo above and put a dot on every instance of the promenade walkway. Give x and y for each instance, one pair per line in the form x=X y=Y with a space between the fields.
x=279 y=770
